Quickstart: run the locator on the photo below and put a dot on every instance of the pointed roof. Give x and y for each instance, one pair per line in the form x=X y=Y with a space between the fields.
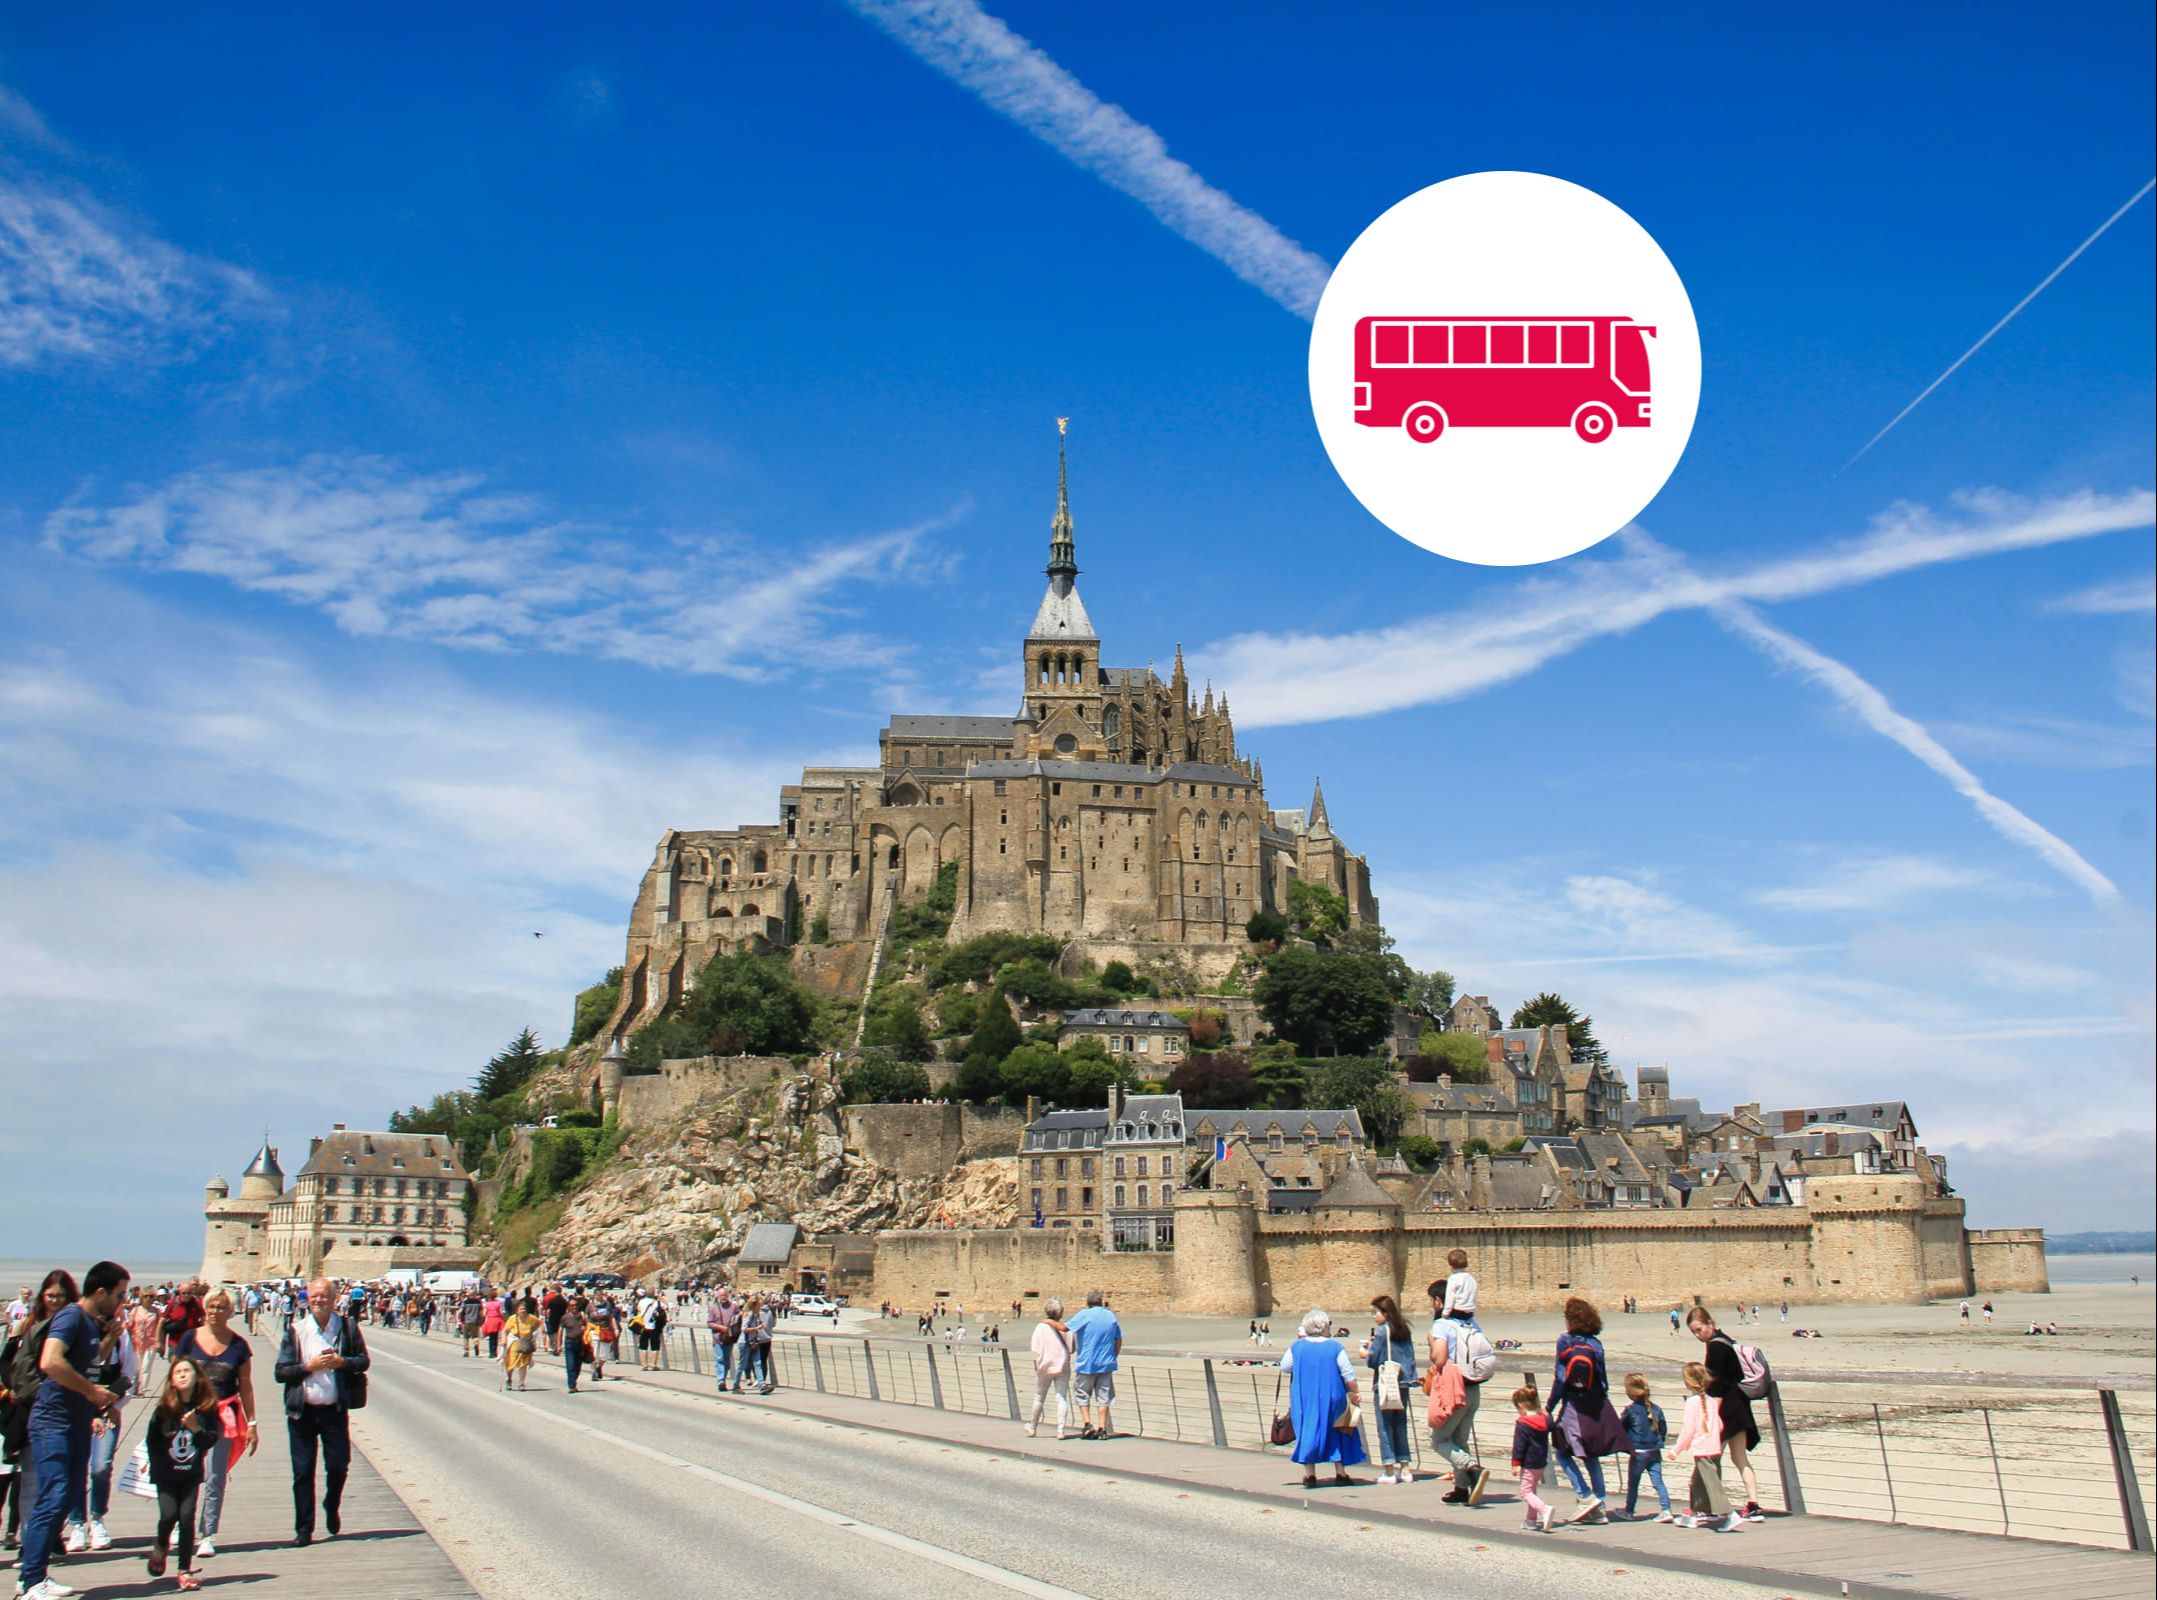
x=265 y=1163
x=1063 y=549
x=1319 y=822
x=1356 y=1190
x=1062 y=614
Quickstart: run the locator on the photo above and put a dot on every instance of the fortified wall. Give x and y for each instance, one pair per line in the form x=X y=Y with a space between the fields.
x=931 y=1139
x=1866 y=1240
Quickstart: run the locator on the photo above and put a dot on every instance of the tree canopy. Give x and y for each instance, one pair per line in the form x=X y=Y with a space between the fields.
x=1215 y=1081
x=1369 y=1088
x=742 y=1004
x=1548 y=1010
x=1461 y=1056
x=1324 y=1003
x=510 y=1069
x=1316 y=912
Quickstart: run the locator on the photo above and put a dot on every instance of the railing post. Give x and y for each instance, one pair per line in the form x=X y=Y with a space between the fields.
x=1213 y=1407
x=1992 y=1449
x=1011 y=1384
x=2123 y=1473
x=1886 y=1471
x=936 y=1380
x=816 y=1363
x=1786 y=1459
x=868 y=1361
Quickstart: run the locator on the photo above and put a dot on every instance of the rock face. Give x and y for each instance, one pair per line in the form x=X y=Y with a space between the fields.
x=684 y=1195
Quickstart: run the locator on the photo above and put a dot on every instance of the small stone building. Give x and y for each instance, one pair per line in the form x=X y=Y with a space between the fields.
x=1145 y=1037
x=1059 y=1168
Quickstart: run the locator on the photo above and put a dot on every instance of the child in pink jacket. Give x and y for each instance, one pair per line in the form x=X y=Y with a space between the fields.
x=1700 y=1441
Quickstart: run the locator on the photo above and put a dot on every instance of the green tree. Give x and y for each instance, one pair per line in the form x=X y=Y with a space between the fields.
x=1216 y=1081
x=1092 y=1072
x=956 y=1014
x=752 y=996
x=594 y=1006
x=511 y=1069
x=996 y=1034
x=1548 y=1010
x=1316 y=912
x=883 y=1080
x=1278 y=1077
x=1418 y=1151
x=1266 y=927
x=1118 y=978
x=978 y=1081
x=1461 y=1056
x=1039 y=1070
x=1324 y=1003
x=896 y=1026
x=1367 y=1087
x=1430 y=994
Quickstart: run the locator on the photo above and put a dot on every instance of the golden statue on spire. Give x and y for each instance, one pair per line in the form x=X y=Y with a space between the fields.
x=1063 y=426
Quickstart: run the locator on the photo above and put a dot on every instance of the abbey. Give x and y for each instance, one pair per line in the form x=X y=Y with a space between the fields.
x=1110 y=807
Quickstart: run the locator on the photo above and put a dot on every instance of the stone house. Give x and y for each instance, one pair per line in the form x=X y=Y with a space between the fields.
x=1281 y=1132
x=1147 y=1156
x=1889 y=1118
x=1060 y=1162
x=1531 y=1063
x=1473 y=1013
x=1453 y=1113
x=1147 y=1039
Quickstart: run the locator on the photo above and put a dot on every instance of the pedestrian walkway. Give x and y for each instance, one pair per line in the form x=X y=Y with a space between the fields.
x=383 y=1553
x=1817 y=1555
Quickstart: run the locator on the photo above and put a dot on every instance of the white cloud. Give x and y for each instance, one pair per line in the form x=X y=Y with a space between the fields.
x=2121 y=597
x=442 y=557
x=1875 y=883
x=80 y=283
x=1015 y=78
x=19 y=120
x=1506 y=633
x=2058 y=741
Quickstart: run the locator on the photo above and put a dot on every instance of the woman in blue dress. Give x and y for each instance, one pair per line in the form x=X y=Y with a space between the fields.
x=1321 y=1386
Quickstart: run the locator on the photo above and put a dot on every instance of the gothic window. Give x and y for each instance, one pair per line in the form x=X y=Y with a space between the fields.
x=1044 y=669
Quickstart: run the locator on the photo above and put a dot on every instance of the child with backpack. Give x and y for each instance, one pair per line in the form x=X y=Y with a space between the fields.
x=1531 y=1454
x=1700 y=1441
x=1646 y=1431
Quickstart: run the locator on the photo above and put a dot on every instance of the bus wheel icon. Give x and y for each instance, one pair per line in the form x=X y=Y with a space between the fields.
x=1594 y=421
x=1424 y=423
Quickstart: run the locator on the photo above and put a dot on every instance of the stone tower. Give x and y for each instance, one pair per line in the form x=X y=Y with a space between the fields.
x=264 y=1179
x=1062 y=654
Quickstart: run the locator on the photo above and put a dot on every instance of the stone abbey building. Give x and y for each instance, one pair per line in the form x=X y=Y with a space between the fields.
x=1111 y=807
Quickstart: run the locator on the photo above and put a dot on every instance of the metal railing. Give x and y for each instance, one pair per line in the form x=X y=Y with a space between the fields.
x=2021 y=1463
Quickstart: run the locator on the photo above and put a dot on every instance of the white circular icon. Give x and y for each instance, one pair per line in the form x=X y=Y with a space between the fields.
x=1505 y=368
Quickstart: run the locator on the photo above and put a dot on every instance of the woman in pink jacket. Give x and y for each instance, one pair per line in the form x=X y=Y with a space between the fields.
x=1052 y=1367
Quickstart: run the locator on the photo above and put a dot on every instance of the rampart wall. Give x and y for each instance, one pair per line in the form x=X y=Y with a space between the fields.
x=2008 y=1261
x=990 y=1268
x=928 y=1140
x=648 y=1099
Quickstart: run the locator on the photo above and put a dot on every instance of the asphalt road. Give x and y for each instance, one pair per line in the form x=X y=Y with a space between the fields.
x=540 y=1494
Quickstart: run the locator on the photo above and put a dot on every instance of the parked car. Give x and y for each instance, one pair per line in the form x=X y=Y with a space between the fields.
x=814 y=1305
x=597 y=1280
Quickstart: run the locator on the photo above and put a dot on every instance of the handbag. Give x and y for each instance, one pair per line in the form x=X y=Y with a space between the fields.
x=135 y=1476
x=232 y=1423
x=1350 y=1419
x=1283 y=1430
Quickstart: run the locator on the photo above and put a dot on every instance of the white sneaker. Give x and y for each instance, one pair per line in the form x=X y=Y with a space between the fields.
x=74 y=1540
x=1731 y=1523
x=1385 y=1477
x=50 y=1589
x=1668 y=1516
x=205 y=1546
x=99 y=1538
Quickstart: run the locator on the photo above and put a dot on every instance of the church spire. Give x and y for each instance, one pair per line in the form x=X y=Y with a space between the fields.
x=1063 y=550
x=1318 y=822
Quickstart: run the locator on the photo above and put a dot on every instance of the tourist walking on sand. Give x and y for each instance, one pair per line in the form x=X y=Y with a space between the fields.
x=1700 y=1442
x=1451 y=1417
x=1647 y=1431
x=1584 y=1425
x=1323 y=1401
x=1390 y=1353
x=322 y=1362
x=59 y=1423
x=1531 y=1455
x=522 y=1330
x=1097 y=1341
x=1052 y=1348
x=227 y=1363
x=183 y=1436
x=1726 y=1380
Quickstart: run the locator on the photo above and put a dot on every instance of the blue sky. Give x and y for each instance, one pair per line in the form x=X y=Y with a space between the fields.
x=431 y=465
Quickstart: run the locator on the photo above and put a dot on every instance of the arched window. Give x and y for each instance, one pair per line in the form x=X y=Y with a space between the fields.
x=1044 y=668
x=761 y=863
x=726 y=866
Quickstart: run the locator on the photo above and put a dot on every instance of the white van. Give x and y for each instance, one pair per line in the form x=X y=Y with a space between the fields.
x=452 y=1282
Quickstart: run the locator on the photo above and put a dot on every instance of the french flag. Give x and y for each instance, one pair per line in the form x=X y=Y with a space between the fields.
x=1220 y=1148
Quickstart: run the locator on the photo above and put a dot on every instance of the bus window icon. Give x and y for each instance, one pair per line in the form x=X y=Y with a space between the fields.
x=1426 y=374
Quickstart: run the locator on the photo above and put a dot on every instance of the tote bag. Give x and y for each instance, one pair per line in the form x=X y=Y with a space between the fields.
x=135 y=1476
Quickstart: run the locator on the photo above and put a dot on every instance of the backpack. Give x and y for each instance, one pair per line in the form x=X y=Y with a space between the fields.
x=1474 y=1354
x=1753 y=1375
x=1577 y=1375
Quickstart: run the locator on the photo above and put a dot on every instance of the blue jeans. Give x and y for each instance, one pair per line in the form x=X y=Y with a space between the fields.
x=60 y=1461
x=101 y=1449
x=211 y=1505
x=573 y=1359
x=1581 y=1486
x=1393 y=1437
x=723 y=1361
x=1649 y=1462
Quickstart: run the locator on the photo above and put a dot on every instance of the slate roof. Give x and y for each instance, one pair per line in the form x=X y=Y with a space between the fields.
x=1067 y=1130
x=1519 y=1184
x=1104 y=1017
x=265 y=1164
x=386 y=1155
x=1062 y=615
x=1205 y=1124
x=1887 y=1114
x=769 y=1244
x=1356 y=1190
x=951 y=728
x=1479 y=1097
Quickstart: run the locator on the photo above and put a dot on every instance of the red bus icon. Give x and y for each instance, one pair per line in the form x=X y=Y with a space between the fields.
x=1424 y=375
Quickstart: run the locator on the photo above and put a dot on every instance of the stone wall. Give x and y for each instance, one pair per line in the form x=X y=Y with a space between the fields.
x=929 y=1140
x=2008 y=1261
x=992 y=1268
x=1944 y=1249
x=649 y=1099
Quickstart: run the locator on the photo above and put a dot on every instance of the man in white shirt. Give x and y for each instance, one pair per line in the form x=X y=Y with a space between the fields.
x=322 y=1364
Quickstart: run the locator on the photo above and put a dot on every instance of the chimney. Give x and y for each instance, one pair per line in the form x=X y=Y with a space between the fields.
x=1033 y=1108
x=313 y=1145
x=1115 y=1103
x=337 y=1127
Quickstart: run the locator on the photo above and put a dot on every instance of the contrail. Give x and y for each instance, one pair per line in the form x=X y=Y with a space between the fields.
x=1875 y=711
x=2003 y=322
x=975 y=50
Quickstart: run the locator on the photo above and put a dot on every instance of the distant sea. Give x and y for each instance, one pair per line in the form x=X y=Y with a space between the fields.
x=2109 y=1268
x=15 y=1273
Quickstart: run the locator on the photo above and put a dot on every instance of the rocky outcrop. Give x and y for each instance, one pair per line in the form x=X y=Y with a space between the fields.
x=685 y=1194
